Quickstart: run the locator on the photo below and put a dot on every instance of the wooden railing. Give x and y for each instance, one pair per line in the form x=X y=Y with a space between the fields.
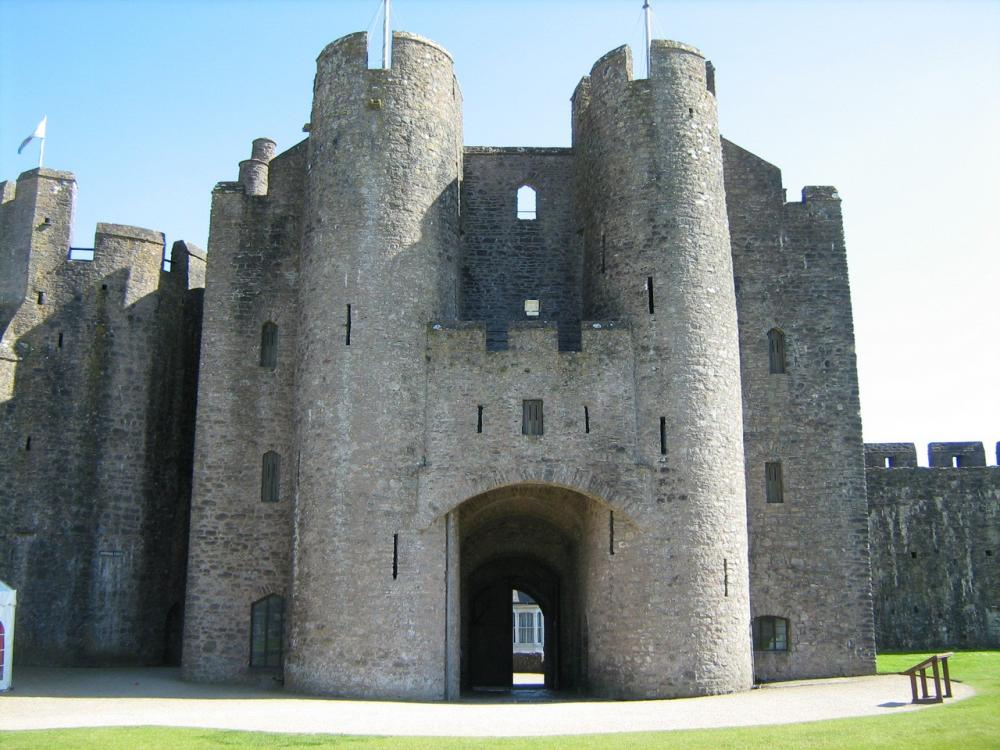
x=932 y=663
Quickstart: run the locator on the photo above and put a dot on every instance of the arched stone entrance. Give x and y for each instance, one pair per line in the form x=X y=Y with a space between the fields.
x=540 y=539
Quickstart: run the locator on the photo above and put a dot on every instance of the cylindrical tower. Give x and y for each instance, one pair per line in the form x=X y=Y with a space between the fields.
x=653 y=205
x=379 y=262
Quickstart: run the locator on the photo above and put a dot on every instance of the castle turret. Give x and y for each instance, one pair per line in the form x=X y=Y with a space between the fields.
x=379 y=261
x=653 y=207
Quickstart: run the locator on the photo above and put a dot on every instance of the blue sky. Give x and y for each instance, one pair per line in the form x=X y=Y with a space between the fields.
x=150 y=103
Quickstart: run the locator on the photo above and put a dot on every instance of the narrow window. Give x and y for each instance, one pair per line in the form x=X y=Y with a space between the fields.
x=956 y=462
x=663 y=436
x=526 y=203
x=770 y=633
x=41 y=298
x=649 y=293
x=267 y=626
x=60 y=344
x=526 y=627
x=532 y=307
x=725 y=577
x=774 y=484
x=27 y=443
x=395 y=556
x=586 y=420
x=890 y=462
x=347 y=325
x=611 y=532
x=269 y=345
x=776 y=351
x=531 y=417
x=270 y=477
x=539 y=628
x=479 y=421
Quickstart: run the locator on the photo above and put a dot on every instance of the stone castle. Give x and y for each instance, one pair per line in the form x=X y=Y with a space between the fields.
x=619 y=377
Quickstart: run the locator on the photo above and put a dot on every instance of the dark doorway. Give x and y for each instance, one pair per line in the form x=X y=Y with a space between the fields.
x=172 y=636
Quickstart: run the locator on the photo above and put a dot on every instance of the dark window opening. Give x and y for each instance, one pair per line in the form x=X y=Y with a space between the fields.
x=60 y=343
x=770 y=633
x=725 y=577
x=989 y=553
x=649 y=293
x=347 y=325
x=267 y=626
x=611 y=532
x=526 y=203
x=270 y=477
x=774 y=482
x=27 y=443
x=269 y=345
x=532 y=422
x=776 y=351
x=41 y=298
x=663 y=436
x=586 y=420
x=913 y=555
x=479 y=421
x=395 y=556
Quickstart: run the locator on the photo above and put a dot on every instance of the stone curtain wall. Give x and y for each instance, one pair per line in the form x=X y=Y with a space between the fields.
x=507 y=260
x=808 y=554
x=935 y=541
x=95 y=445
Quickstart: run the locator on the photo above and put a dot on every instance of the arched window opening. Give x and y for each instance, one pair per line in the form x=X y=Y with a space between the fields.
x=776 y=350
x=526 y=203
x=269 y=345
x=267 y=630
x=270 y=477
x=770 y=633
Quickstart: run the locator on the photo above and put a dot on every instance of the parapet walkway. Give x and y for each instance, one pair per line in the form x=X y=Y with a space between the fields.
x=55 y=698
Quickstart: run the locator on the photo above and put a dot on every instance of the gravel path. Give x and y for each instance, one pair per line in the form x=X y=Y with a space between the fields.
x=51 y=698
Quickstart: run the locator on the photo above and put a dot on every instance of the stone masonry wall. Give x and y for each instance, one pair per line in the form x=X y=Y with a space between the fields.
x=95 y=444
x=241 y=546
x=808 y=554
x=507 y=260
x=935 y=542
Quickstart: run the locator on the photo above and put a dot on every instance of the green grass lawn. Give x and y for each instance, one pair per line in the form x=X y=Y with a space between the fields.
x=967 y=724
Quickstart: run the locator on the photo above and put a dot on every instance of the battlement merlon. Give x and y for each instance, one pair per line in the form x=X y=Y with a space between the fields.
x=890 y=455
x=187 y=264
x=956 y=455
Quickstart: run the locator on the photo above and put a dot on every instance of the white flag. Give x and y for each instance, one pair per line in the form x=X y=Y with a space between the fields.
x=39 y=133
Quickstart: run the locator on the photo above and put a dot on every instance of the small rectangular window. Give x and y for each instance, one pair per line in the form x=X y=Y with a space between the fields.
x=41 y=298
x=532 y=307
x=663 y=436
x=890 y=462
x=586 y=420
x=776 y=351
x=770 y=634
x=774 y=482
x=270 y=477
x=956 y=462
x=479 y=421
x=532 y=422
x=649 y=293
x=347 y=326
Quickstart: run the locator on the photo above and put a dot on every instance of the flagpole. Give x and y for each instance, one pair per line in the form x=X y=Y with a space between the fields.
x=385 y=34
x=649 y=34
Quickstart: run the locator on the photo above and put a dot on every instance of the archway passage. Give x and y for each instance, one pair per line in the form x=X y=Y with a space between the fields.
x=544 y=541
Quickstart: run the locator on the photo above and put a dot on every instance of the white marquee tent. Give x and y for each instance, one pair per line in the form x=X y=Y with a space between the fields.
x=8 y=600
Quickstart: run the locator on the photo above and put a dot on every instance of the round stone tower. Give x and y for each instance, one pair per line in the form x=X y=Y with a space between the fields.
x=653 y=207
x=379 y=261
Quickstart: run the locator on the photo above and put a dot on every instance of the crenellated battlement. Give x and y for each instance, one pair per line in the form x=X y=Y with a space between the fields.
x=536 y=336
x=945 y=455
